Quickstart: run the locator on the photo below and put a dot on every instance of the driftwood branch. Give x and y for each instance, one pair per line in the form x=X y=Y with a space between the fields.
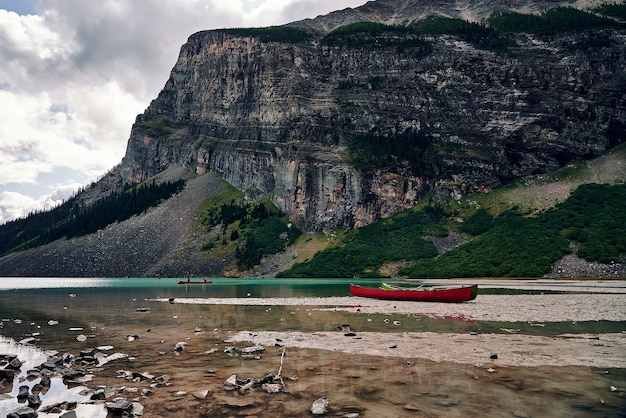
x=280 y=369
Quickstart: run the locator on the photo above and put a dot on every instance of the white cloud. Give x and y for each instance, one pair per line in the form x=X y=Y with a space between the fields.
x=15 y=205
x=75 y=75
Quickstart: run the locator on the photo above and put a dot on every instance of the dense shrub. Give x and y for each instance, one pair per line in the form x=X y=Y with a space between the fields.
x=514 y=247
x=364 y=250
x=264 y=236
x=377 y=35
x=614 y=10
x=256 y=227
x=594 y=217
x=372 y=151
x=478 y=223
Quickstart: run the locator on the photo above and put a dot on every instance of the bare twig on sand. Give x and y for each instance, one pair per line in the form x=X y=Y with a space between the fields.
x=280 y=369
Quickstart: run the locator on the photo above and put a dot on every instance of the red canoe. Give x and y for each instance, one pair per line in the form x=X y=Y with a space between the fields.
x=437 y=294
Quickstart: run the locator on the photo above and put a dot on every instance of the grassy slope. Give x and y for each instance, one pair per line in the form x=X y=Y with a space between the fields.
x=538 y=193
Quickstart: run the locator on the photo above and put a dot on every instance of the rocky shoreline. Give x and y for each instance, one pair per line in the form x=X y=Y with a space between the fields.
x=161 y=361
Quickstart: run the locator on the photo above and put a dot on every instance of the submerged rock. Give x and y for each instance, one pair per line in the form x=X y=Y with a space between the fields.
x=23 y=392
x=23 y=412
x=14 y=364
x=7 y=375
x=34 y=401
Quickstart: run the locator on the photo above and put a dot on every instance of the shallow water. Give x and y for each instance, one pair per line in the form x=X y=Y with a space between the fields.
x=106 y=311
x=58 y=392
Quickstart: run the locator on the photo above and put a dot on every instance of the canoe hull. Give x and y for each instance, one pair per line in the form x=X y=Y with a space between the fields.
x=189 y=282
x=449 y=295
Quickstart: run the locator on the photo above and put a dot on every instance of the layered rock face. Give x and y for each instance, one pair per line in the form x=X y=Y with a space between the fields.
x=273 y=117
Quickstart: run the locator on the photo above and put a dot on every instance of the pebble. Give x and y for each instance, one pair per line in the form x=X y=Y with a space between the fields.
x=320 y=407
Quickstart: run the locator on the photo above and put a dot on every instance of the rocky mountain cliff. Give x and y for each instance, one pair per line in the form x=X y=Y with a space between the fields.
x=277 y=117
x=340 y=132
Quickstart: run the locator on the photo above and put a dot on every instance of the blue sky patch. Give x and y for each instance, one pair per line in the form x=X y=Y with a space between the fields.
x=21 y=7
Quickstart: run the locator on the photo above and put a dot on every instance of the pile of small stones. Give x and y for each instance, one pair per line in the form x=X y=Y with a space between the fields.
x=74 y=370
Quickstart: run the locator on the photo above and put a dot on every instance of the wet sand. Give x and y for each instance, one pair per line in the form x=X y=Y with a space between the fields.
x=389 y=359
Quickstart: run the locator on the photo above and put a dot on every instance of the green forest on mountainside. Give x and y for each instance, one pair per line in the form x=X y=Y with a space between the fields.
x=591 y=222
x=71 y=220
x=490 y=35
x=251 y=229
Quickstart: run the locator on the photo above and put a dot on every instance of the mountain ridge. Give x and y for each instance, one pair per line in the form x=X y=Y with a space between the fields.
x=407 y=11
x=288 y=120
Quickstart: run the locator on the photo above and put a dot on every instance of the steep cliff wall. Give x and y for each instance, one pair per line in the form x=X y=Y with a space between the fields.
x=274 y=117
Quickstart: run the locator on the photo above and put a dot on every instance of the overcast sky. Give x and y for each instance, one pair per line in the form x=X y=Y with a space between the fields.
x=75 y=73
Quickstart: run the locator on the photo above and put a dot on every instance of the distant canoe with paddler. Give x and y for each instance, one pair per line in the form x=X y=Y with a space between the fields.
x=189 y=281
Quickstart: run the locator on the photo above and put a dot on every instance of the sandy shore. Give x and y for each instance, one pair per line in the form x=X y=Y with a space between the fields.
x=594 y=350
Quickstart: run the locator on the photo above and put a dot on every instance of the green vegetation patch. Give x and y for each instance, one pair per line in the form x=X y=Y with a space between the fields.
x=436 y=25
x=209 y=213
x=414 y=149
x=594 y=217
x=514 y=247
x=256 y=228
x=479 y=35
x=480 y=222
x=377 y=35
x=363 y=251
x=560 y=19
x=264 y=236
x=613 y=10
x=284 y=34
x=159 y=126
